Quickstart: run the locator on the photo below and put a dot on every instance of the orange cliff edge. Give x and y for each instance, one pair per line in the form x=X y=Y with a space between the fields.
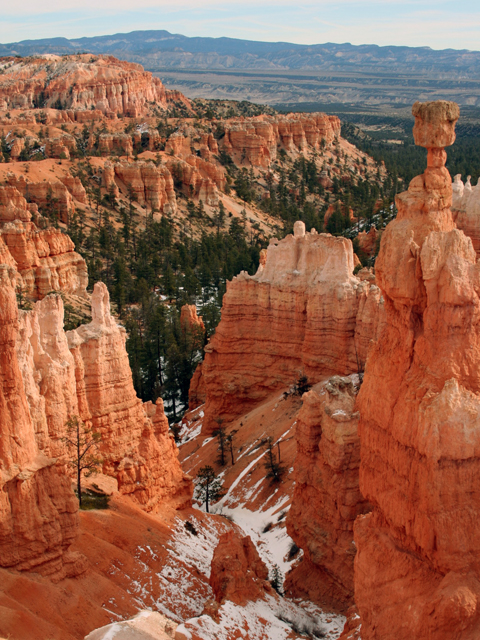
x=418 y=551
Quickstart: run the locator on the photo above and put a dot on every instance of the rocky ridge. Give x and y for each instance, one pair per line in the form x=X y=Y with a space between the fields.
x=80 y=83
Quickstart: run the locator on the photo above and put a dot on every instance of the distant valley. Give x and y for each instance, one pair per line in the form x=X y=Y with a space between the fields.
x=286 y=73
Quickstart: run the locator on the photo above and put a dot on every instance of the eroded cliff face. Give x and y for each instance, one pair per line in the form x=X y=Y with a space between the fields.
x=416 y=570
x=302 y=312
x=149 y=185
x=136 y=447
x=327 y=497
x=256 y=140
x=49 y=376
x=81 y=82
x=38 y=510
x=45 y=259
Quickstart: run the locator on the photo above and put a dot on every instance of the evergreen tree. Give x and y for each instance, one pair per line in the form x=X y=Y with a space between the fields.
x=221 y=436
x=274 y=469
x=82 y=443
x=208 y=488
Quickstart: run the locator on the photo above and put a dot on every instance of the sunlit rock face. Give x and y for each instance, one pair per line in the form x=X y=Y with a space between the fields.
x=303 y=312
x=416 y=570
x=256 y=140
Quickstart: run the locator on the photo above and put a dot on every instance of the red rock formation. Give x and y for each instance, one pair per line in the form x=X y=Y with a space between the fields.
x=81 y=82
x=60 y=147
x=45 y=259
x=136 y=448
x=75 y=187
x=466 y=209
x=368 y=241
x=198 y=178
x=190 y=318
x=38 y=510
x=238 y=574
x=114 y=143
x=327 y=497
x=255 y=140
x=149 y=184
x=302 y=311
x=197 y=393
x=416 y=570
x=46 y=195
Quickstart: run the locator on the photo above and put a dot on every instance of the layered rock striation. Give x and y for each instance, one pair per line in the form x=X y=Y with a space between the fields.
x=256 y=140
x=303 y=312
x=417 y=565
x=38 y=510
x=327 y=498
x=80 y=83
x=45 y=259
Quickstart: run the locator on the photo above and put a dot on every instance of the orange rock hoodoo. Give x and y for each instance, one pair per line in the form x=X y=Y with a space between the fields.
x=255 y=140
x=49 y=376
x=418 y=551
x=303 y=311
x=238 y=573
x=327 y=497
x=136 y=446
x=81 y=82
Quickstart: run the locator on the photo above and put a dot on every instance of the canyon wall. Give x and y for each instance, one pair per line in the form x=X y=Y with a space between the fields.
x=418 y=551
x=302 y=312
x=255 y=140
x=148 y=184
x=327 y=497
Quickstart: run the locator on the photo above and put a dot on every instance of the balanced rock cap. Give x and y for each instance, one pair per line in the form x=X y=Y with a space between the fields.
x=435 y=123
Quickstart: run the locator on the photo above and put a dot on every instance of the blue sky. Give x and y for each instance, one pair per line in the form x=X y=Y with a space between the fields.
x=433 y=23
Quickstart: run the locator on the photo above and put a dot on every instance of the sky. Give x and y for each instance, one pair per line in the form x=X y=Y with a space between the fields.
x=433 y=23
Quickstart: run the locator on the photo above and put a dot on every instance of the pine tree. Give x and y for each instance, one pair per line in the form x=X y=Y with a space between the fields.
x=221 y=436
x=273 y=467
x=229 y=442
x=82 y=443
x=208 y=488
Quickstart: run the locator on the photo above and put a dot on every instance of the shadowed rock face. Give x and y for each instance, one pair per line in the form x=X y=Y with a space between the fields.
x=416 y=570
x=303 y=311
x=327 y=497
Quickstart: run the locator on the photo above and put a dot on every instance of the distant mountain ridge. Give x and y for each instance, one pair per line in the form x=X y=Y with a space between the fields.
x=161 y=49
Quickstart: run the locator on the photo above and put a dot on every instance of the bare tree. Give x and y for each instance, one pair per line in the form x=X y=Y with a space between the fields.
x=82 y=444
